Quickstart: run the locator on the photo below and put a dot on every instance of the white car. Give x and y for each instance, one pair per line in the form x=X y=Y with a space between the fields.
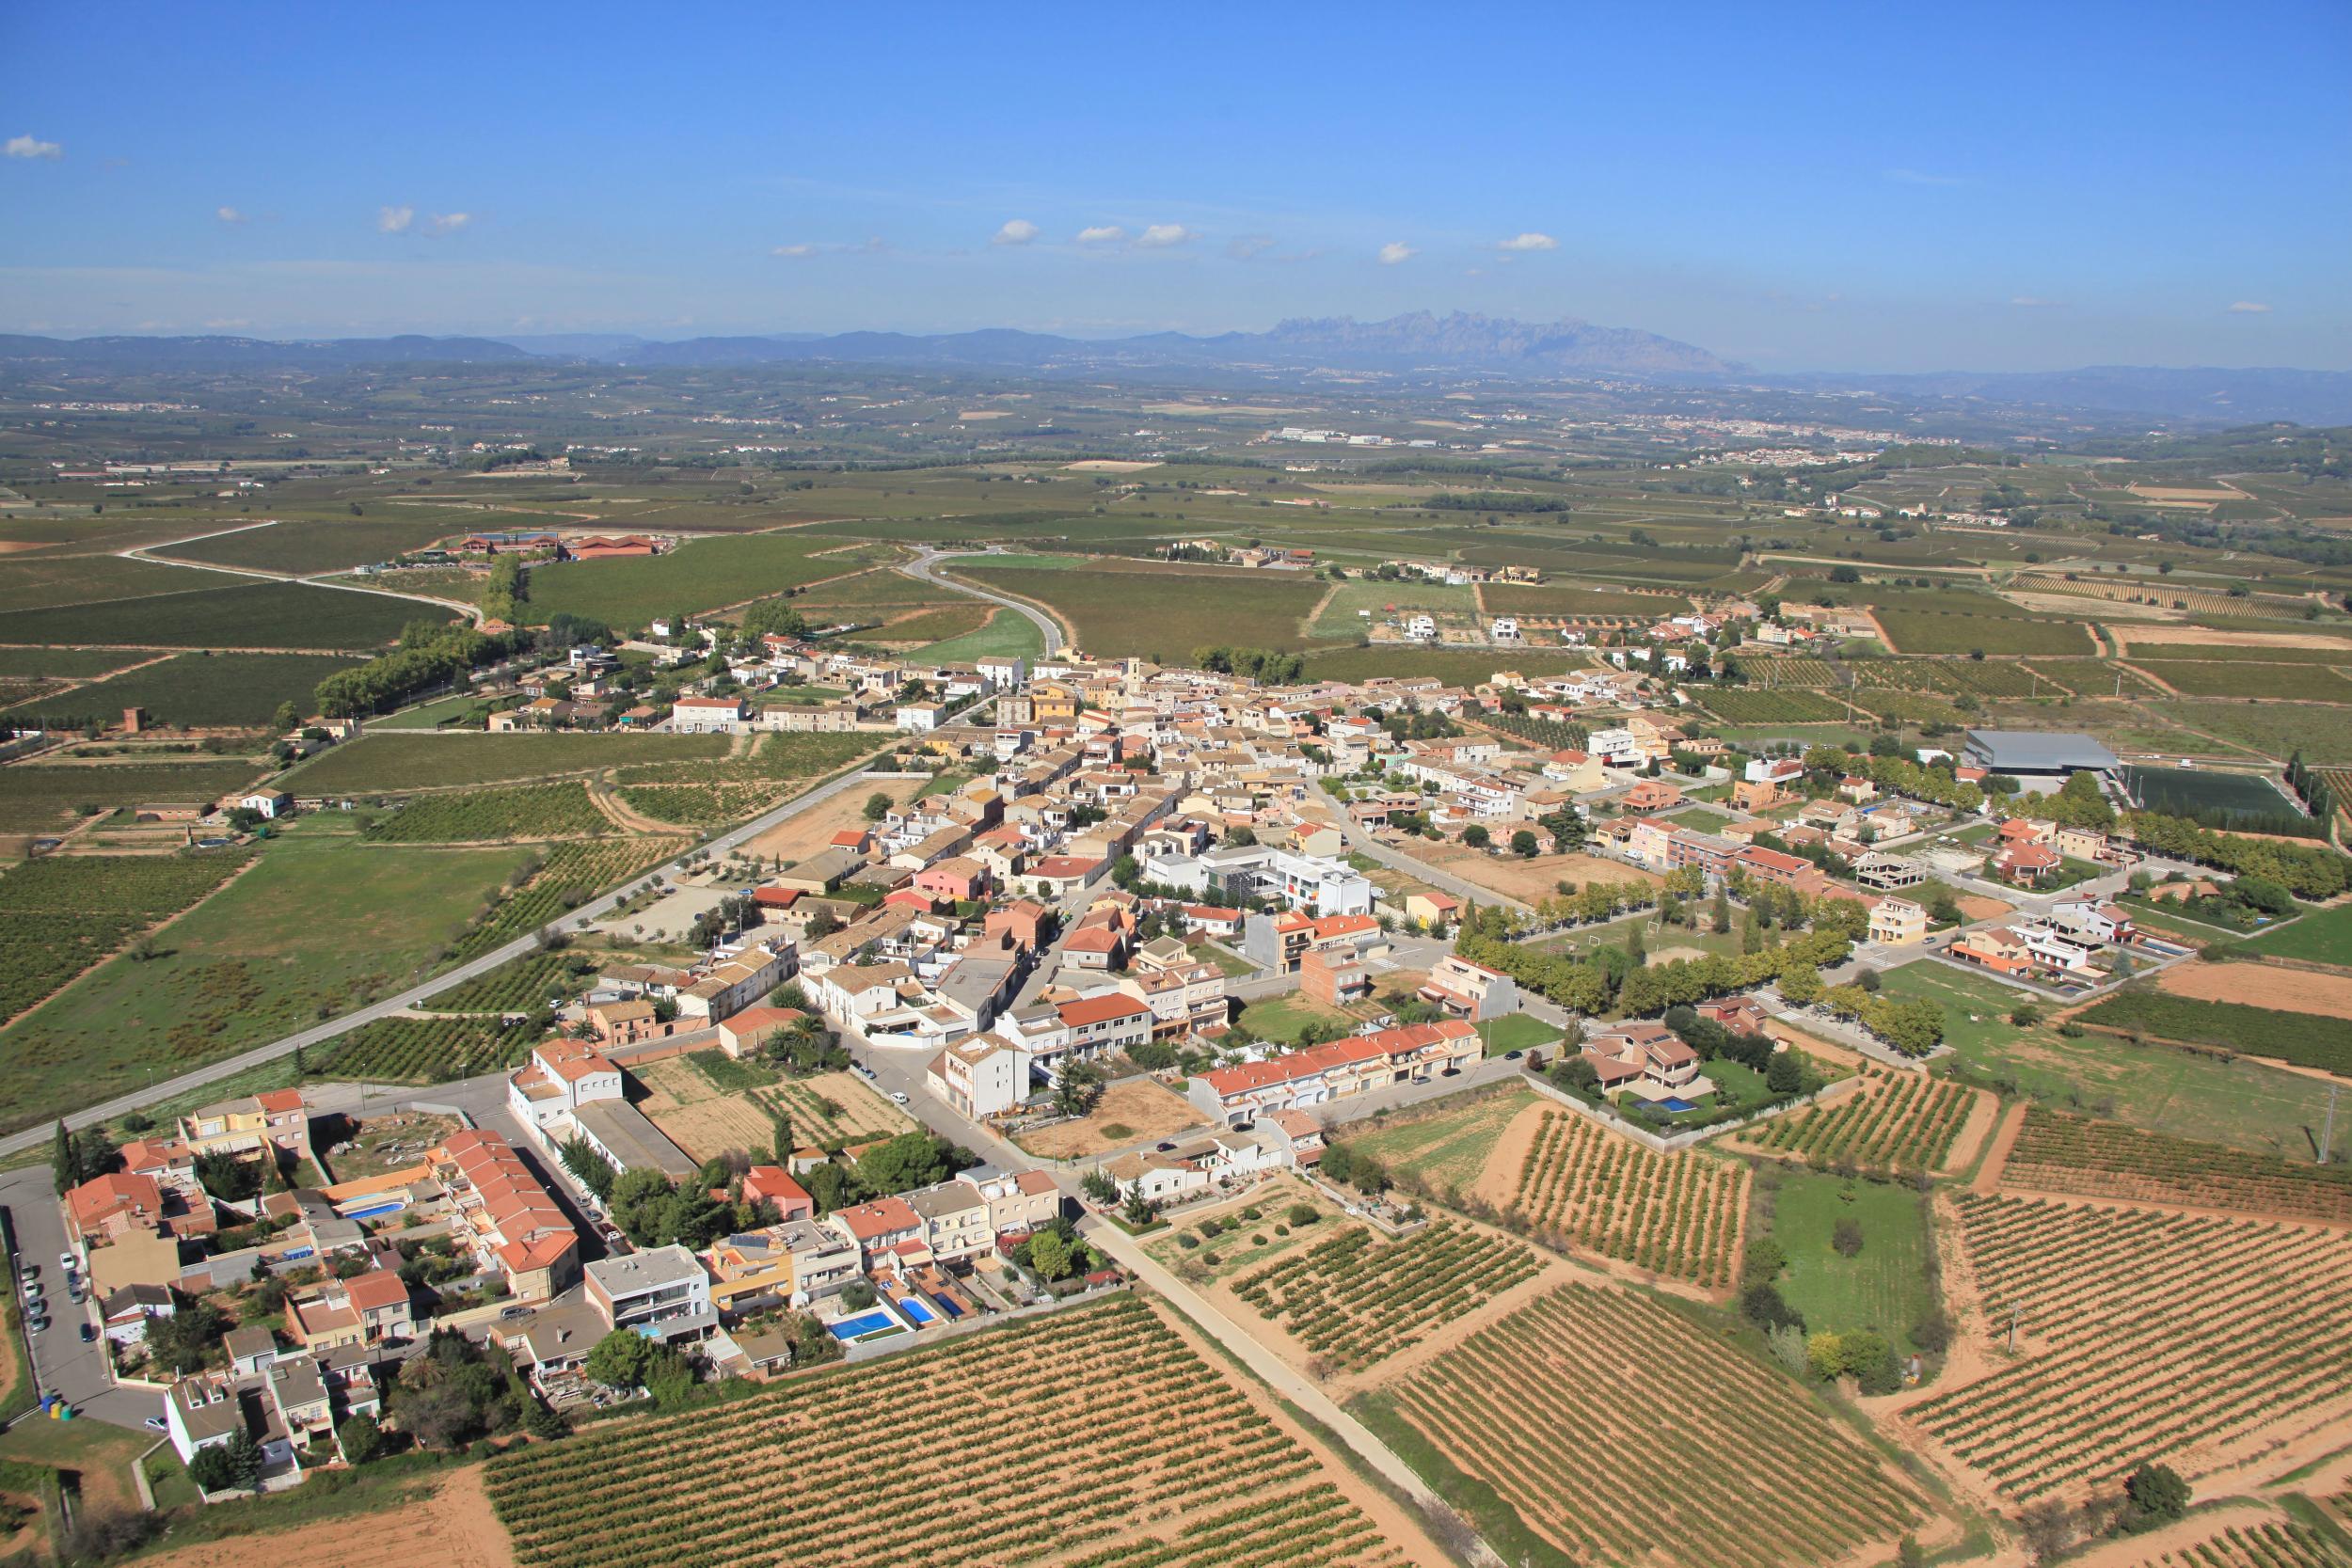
x=899 y=1097
x=65 y=1261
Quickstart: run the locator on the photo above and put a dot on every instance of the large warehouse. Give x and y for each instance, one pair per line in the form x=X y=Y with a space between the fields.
x=2035 y=754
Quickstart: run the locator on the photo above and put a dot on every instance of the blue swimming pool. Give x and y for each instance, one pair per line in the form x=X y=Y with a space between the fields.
x=951 y=1307
x=1674 y=1103
x=915 y=1309
x=876 y=1321
x=371 y=1211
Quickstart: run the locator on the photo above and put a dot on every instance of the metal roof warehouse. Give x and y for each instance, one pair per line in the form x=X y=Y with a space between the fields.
x=2038 y=751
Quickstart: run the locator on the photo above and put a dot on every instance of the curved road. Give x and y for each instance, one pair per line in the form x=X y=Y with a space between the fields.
x=920 y=568
x=187 y=1082
x=472 y=614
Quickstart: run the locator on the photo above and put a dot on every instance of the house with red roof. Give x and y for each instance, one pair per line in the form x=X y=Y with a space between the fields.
x=887 y=1226
x=1644 y=1056
x=774 y=1184
x=502 y=1217
x=1298 y=1079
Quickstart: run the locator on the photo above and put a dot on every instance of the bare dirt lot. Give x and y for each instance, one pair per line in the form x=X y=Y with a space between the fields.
x=452 y=1526
x=1108 y=466
x=1133 y=1110
x=826 y=1111
x=1977 y=908
x=1526 y=880
x=2284 y=990
x=2207 y=637
x=802 y=836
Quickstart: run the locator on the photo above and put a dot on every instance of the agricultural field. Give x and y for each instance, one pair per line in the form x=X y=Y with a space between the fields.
x=1357 y=1300
x=935 y=624
x=66 y=663
x=1462 y=666
x=2247 y=801
x=1775 y=673
x=1577 y=1184
x=1928 y=631
x=1149 y=1453
x=1887 y=1288
x=424 y=1049
x=2164 y=594
x=481 y=815
x=707 y=794
x=1530 y=1405
x=1788 y=705
x=520 y=984
x=1186 y=610
x=710 y=1104
x=567 y=874
x=396 y=764
x=2322 y=936
x=2211 y=678
x=701 y=575
x=2259 y=1543
x=48 y=798
x=193 y=691
x=286 y=943
x=2055 y=1152
x=2302 y=1038
x=257 y=616
x=306 y=547
x=59 y=581
x=1893 y=1121
x=1006 y=634
x=1564 y=601
x=1382 y=602
x=61 y=915
x=2197 y=1342
x=1446 y=1148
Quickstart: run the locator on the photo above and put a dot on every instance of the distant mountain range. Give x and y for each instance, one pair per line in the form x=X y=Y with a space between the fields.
x=1420 y=342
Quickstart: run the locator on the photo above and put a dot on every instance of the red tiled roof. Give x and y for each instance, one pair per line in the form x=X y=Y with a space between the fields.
x=1323 y=1058
x=1100 y=1009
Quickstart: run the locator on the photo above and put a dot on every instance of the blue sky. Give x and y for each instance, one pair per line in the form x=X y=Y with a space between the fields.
x=1875 y=187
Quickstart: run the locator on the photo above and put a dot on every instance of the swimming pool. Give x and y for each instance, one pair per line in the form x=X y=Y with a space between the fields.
x=950 y=1307
x=915 y=1309
x=1674 y=1103
x=371 y=1213
x=865 y=1325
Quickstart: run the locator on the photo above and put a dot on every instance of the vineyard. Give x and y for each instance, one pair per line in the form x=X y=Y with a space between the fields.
x=519 y=986
x=2305 y=1040
x=2194 y=1341
x=1677 y=1214
x=1737 y=704
x=477 y=816
x=2144 y=590
x=1084 y=1439
x=568 y=876
x=2055 y=1152
x=1359 y=1303
x=425 y=1049
x=1618 y=1429
x=1552 y=734
x=61 y=915
x=1773 y=675
x=699 y=795
x=2269 y=1544
x=1896 y=1121
x=1952 y=678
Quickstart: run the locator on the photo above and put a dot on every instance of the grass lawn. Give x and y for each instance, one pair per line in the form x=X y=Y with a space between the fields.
x=1228 y=964
x=1700 y=820
x=1448 y=1146
x=428 y=717
x=1163 y=615
x=391 y=763
x=2242 y=1103
x=2323 y=936
x=101 y=1455
x=318 y=925
x=1883 y=1286
x=1280 y=1018
x=1515 y=1032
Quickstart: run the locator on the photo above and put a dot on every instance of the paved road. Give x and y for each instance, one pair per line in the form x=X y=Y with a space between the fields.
x=585 y=914
x=921 y=567
x=472 y=614
x=61 y=1363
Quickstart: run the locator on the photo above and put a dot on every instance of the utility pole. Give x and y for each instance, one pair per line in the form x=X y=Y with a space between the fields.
x=2328 y=1138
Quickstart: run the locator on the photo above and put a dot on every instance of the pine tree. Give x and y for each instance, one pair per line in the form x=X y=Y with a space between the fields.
x=62 y=1164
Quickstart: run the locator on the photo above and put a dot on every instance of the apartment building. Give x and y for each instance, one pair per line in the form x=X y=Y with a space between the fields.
x=661 y=1293
x=503 y=1216
x=1300 y=1079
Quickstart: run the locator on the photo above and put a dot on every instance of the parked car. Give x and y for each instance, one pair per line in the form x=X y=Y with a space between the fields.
x=89 y=1334
x=32 y=1290
x=65 y=1261
x=156 y=1423
x=29 y=1271
x=899 y=1097
x=38 y=1325
x=508 y=1314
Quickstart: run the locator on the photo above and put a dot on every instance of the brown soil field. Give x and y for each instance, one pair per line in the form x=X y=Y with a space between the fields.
x=2284 y=990
x=1996 y=1157
x=1977 y=908
x=451 y=1528
x=1149 y=1112
x=803 y=834
x=694 y=1114
x=1526 y=880
x=2208 y=637
x=1108 y=466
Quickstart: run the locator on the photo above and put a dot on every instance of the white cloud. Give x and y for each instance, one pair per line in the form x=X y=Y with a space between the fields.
x=394 y=220
x=33 y=147
x=873 y=245
x=2028 y=302
x=1394 y=253
x=448 y=223
x=1527 y=241
x=1161 y=235
x=1249 y=247
x=230 y=214
x=1016 y=232
x=2250 y=307
x=1102 y=233
x=795 y=252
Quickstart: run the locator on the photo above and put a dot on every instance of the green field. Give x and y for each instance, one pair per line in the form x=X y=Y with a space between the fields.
x=1886 y=1287
x=316 y=928
x=1164 y=615
x=389 y=764
x=61 y=581
x=2243 y=1103
x=1928 y=631
x=61 y=915
x=254 y=615
x=66 y=663
x=700 y=575
x=194 y=691
x=1386 y=601
x=1547 y=599
x=307 y=546
x=2306 y=1039
x=1515 y=1032
x=1008 y=634
x=49 y=798
x=2322 y=936
x=1455 y=666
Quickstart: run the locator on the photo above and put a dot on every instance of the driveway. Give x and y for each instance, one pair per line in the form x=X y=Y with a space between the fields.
x=61 y=1363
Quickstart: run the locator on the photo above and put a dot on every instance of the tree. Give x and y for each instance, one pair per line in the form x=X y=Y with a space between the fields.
x=1524 y=844
x=781 y=1142
x=1098 y=1185
x=234 y=1466
x=620 y=1360
x=2156 y=1495
x=772 y=618
x=586 y=1162
x=1050 y=1255
x=362 y=1439
x=1476 y=836
x=286 y=717
x=1846 y=1237
x=909 y=1161
x=1801 y=985
x=1764 y=1305
x=877 y=806
x=1138 y=1210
